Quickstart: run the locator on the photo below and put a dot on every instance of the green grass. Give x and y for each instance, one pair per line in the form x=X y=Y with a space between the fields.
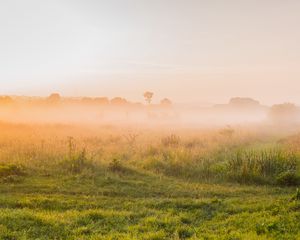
x=137 y=205
x=100 y=185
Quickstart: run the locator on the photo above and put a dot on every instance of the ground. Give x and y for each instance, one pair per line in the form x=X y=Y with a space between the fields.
x=103 y=182
x=132 y=205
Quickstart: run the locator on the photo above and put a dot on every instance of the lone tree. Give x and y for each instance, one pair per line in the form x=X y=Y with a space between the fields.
x=148 y=96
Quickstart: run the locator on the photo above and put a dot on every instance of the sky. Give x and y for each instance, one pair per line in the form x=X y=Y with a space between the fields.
x=187 y=50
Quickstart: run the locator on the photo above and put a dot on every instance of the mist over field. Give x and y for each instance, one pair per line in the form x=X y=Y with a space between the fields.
x=119 y=111
x=149 y=120
x=99 y=168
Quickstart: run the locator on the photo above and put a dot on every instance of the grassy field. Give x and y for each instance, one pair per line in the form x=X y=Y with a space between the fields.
x=105 y=182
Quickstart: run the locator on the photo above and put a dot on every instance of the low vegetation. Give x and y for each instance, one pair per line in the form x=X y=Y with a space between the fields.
x=105 y=182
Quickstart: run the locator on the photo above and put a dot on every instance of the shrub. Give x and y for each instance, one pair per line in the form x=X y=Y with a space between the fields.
x=261 y=166
x=288 y=178
x=115 y=165
x=11 y=173
x=77 y=163
x=11 y=170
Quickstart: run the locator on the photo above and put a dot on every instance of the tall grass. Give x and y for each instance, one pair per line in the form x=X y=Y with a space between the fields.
x=196 y=155
x=261 y=166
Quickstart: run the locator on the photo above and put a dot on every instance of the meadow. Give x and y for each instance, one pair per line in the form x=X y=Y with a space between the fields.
x=128 y=182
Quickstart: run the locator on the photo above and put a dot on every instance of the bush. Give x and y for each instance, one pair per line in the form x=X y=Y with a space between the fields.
x=115 y=165
x=262 y=166
x=11 y=173
x=78 y=163
x=288 y=178
x=7 y=170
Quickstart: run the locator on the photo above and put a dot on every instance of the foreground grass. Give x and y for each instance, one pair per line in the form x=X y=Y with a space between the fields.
x=71 y=182
x=144 y=206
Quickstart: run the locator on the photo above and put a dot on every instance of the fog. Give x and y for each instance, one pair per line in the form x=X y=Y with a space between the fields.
x=119 y=111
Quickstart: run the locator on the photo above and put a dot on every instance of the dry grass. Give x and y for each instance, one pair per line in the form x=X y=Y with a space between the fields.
x=200 y=155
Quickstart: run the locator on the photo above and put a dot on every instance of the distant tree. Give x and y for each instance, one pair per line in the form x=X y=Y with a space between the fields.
x=118 y=101
x=98 y=101
x=54 y=98
x=87 y=100
x=148 y=97
x=243 y=102
x=6 y=100
x=102 y=100
x=166 y=102
x=284 y=113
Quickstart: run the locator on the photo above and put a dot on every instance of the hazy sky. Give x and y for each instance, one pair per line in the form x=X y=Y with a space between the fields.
x=188 y=50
